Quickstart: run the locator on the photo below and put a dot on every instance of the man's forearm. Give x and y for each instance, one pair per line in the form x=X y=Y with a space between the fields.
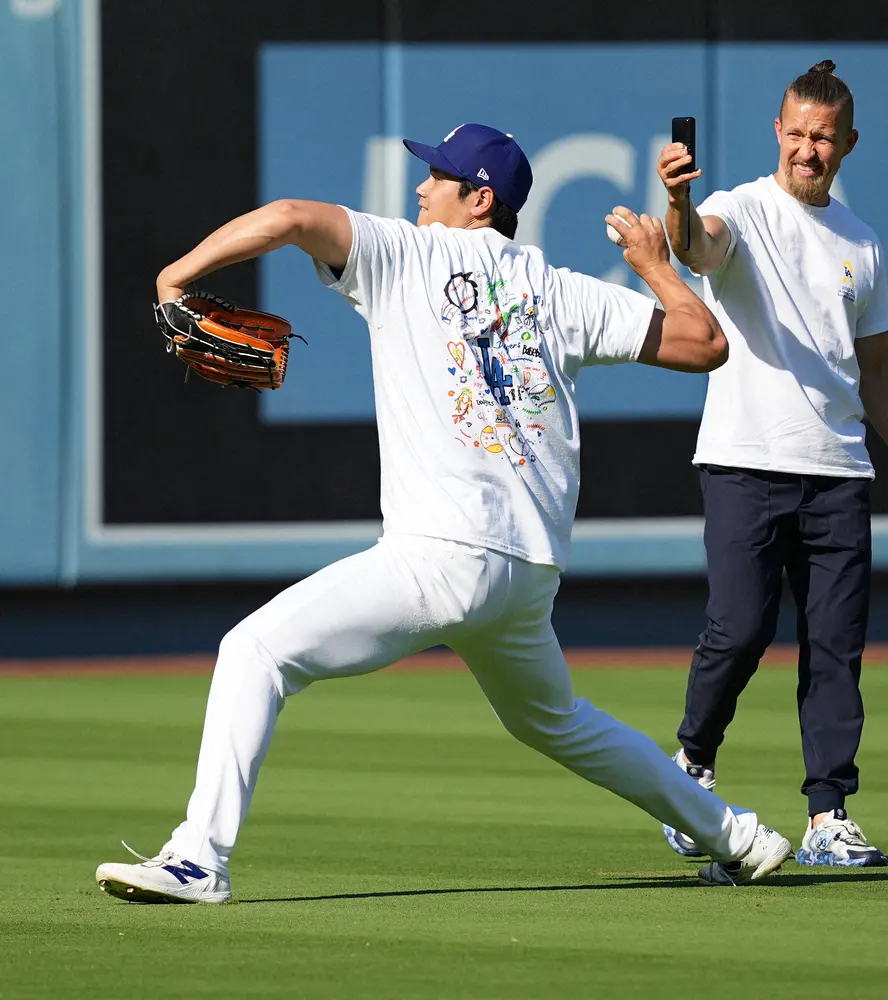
x=676 y=213
x=243 y=238
x=666 y=283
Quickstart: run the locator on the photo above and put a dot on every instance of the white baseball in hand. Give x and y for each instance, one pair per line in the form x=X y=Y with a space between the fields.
x=615 y=236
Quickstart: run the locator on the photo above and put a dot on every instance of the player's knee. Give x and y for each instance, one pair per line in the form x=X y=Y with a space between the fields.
x=242 y=651
x=544 y=735
x=534 y=739
x=234 y=643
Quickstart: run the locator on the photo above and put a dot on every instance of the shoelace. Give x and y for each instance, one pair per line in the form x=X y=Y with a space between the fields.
x=160 y=859
x=846 y=830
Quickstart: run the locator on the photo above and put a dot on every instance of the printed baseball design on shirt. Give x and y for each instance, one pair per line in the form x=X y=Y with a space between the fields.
x=502 y=357
x=489 y=440
x=460 y=298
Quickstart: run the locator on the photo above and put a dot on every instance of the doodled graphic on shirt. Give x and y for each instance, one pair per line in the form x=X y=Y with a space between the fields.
x=461 y=294
x=501 y=389
x=847 y=289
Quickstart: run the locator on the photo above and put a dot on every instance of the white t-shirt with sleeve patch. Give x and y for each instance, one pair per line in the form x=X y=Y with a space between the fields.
x=798 y=286
x=476 y=343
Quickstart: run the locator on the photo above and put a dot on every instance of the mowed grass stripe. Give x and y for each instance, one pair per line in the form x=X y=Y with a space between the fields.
x=382 y=800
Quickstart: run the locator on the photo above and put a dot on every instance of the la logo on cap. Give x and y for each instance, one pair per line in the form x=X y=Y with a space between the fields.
x=450 y=135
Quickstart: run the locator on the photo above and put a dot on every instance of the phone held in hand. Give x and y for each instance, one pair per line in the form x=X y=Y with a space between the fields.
x=684 y=130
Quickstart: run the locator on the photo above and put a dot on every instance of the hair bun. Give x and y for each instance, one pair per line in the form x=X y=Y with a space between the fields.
x=827 y=66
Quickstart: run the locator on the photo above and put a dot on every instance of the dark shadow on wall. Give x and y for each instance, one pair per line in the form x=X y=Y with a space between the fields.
x=157 y=619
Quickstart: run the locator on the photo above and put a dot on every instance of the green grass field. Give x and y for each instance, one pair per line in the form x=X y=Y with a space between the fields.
x=401 y=845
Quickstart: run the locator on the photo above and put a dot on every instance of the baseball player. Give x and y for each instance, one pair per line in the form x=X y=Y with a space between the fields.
x=799 y=285
x=476 y=344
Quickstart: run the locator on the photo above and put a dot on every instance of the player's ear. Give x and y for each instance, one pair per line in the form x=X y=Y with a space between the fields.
x=484 y=202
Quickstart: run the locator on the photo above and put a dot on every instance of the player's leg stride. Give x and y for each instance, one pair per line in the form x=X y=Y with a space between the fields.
x=166 y=878
x=326 y=626
x=475 y=538
x=768 y=852
x=705 y=778
x=839 y=842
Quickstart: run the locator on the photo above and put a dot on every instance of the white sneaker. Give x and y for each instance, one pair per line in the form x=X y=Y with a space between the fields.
x=768 y=852
x=705 y=778
x=167 y=878
x=838 y=841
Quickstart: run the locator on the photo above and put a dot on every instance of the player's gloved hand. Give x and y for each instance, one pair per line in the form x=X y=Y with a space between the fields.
x=645 y=240
x=225 y=343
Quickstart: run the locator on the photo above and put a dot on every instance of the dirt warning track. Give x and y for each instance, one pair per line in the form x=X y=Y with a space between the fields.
x=596 y=658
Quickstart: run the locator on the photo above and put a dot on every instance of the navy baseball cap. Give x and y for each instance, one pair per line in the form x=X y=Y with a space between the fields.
x=485 y=156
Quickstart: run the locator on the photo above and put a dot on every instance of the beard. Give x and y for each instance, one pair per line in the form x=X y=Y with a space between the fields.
x=810 y=190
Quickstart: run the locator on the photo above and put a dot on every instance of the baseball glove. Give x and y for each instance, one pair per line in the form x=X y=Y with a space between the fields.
x=224 y=343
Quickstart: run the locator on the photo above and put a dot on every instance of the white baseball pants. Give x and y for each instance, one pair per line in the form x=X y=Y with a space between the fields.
x=404 y=595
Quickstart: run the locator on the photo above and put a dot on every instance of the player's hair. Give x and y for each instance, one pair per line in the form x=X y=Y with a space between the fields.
x=502 y=219
x=820 y=86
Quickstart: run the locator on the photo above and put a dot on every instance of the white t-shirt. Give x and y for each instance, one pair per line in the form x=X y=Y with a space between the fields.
x=798 y=286
x=476 y=343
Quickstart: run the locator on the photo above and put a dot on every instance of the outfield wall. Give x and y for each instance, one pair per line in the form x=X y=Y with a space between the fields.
x=129 y=145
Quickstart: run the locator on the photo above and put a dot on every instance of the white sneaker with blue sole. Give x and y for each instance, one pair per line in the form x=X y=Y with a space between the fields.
x=838 y=842
x=705 y=777
x=166 y=878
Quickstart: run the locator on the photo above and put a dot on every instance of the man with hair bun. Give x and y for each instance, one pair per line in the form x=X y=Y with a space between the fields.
x=798 y=284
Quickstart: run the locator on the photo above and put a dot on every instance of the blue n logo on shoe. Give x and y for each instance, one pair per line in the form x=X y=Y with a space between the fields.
x=186 y=871
x=822 y=841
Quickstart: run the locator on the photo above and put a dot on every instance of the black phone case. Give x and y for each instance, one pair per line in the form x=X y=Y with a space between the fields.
x=685 y=130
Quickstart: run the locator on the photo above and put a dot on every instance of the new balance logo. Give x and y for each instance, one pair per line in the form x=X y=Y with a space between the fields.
x=186 y=871
x=482 y=173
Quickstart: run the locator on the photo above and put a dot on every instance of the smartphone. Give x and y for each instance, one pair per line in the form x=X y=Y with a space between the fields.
x=685 y=130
